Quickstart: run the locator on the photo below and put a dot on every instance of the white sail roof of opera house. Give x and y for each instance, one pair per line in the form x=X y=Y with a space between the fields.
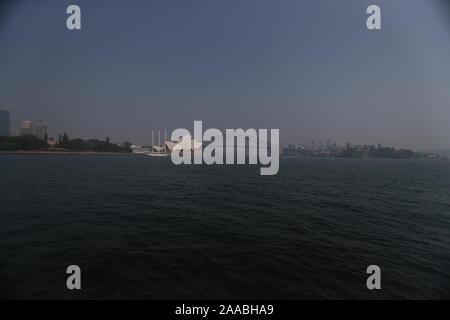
x=185 y=143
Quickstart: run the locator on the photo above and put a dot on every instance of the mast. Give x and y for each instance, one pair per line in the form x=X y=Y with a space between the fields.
x=152 y=140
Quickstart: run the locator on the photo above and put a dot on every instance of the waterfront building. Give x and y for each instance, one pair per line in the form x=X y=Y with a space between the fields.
x=139 y=149
x=41 y=130
x=26 y=128
x=52 y=143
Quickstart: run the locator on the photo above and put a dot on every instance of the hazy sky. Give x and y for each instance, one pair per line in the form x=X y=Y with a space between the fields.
x=310 y=68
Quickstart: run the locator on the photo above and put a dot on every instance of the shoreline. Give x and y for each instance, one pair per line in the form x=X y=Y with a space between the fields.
x=140 y=154
x=68 y=152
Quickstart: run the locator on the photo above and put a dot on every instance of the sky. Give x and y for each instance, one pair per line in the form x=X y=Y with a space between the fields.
x=310 y=68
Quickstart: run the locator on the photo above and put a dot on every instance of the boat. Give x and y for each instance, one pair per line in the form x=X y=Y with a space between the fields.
x=157 y=154
x=184 y=145
x=158 y=151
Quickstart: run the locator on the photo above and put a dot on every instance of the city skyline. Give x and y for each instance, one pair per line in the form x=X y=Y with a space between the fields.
x=26 y=127
x=314 y=73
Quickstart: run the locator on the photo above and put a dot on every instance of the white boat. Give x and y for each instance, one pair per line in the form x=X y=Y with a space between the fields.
x=157 y=154
x=158 y=151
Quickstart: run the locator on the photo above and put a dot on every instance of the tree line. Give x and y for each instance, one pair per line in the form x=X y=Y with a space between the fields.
x=33 y=143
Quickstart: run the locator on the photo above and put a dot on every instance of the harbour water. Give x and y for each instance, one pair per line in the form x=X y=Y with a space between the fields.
x=141 y=227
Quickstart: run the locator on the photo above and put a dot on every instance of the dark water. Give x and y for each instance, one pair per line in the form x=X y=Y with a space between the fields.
x=140 y=227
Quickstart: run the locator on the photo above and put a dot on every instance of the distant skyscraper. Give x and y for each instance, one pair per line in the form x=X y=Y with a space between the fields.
x=4 y=123
x=41 y=130
x=26 y=127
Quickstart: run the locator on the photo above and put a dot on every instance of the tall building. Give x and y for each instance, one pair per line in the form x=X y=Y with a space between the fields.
x=41 y=130
x=26 y=127
x=4 y=123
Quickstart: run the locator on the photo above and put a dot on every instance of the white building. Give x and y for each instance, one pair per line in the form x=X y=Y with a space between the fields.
x=26 y=128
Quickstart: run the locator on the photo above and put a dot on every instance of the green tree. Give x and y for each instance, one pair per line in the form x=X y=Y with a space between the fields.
x=26 y=142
